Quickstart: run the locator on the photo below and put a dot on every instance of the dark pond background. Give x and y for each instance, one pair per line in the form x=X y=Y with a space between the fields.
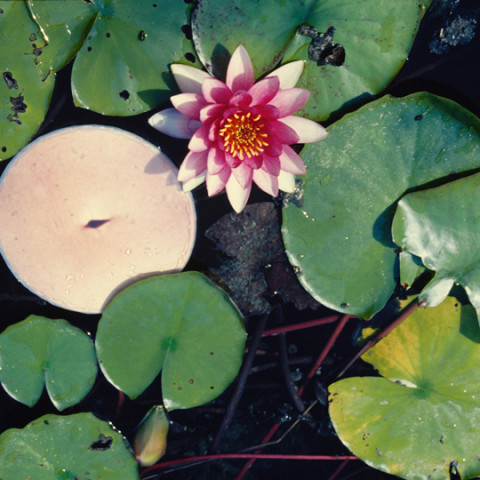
x=444 y=61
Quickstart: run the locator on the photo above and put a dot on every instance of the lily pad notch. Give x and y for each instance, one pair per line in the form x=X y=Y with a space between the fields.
x=182 y=325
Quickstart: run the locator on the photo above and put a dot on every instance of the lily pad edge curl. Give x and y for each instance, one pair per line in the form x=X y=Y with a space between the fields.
x=340 y=238
x=441 y=226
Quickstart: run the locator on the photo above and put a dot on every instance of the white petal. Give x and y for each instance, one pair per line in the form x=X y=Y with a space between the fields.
x=237 y=195
x=267 y=182
x=289 y=73
x=174 y=124
x=189 y=79
x=286 y=182
x=216 y=183
x=307 y=130
x=194 y=182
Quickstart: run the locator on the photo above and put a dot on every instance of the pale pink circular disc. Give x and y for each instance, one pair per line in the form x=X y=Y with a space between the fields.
x=86 y=210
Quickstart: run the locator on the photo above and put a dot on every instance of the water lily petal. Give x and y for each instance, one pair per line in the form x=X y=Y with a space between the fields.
x=212 y=110
x=290 y=100
x=189 y=104
x=173 y=123
x=216 y=183
x=193 y=165
x=243 y=174
x=268 y=112
x=291 y=162
x=189 y=79
x=283 y=132
x=215 y=161
x=308 y=131
x=274 y=148
x=286 y=182
x=232 y=161
x=237 y=195
x=199 y=141
x=240 y=71
x=255 y=161
x=241 y=99
x=268 y=183
x=194 y=182
x=215 y=91
x=264 y=90
x=289 y=73
x=271 y=165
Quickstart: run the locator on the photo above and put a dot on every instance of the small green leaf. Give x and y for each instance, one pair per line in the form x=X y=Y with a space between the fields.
x=181 y=324
x=25 y=89
x=68 y=447
x=372 y=43
x=442 y=226
x=41 y=352
x=341 y=237
x=424 y=414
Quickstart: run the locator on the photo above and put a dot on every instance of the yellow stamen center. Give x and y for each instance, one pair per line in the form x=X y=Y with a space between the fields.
x=244 y=135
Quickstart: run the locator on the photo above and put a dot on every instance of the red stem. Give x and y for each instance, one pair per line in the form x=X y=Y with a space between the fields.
x=300 y=326
x=338 y=470
x=409 y=309
x=248 y=464
x=260 y=456
x=338 y=329
x=319 y=361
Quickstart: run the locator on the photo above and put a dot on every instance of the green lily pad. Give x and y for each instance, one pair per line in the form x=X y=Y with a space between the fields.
x=441 y=226
x=25 y=91
x=375 y=39
x=181 y=324
x=123 y=66
x=41 y=352
x=64 y=25
x=68 y=447
x=410 y=268
x=341 y=237
x=423 y=415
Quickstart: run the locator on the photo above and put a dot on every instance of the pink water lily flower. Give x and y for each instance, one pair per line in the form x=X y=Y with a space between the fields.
x=240 y=131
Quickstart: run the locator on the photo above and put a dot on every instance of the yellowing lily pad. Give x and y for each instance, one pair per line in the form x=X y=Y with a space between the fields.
x=424 y=413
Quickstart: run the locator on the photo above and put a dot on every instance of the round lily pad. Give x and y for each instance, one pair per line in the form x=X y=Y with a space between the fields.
x=423 y=416
x=441 y=226
x=41 y=352
x=78 y=446
x=181 y=324
x=72 y=204
x=350 y=53
x=340 y=238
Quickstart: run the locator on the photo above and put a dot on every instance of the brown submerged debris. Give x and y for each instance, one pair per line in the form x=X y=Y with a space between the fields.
x=254 y=266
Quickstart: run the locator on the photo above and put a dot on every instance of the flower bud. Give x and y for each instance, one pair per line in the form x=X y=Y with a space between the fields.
x=150 y=440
